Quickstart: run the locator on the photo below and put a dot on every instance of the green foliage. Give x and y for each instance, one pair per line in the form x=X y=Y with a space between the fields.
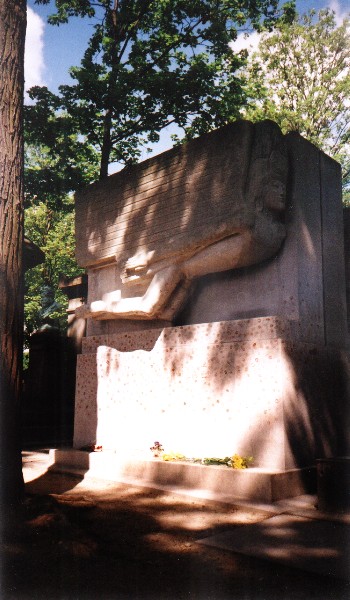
x=53 y=232
x=57 y=159
x=57 y=162
x=300 y=78
x=153 y=63
x=235 y=462
x=170 y=456
x=25 y=360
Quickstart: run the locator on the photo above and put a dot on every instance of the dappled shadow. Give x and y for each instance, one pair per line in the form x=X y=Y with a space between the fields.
x=316 y=546
x=40 y=472
x=313 y=407
x=290 y=392
x=131 y=211
x=284 y=399
x=110 y=541
x=269 y=383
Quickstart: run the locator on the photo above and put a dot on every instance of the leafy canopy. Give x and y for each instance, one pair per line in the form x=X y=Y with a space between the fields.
x=57 y=162
x=53 y=232
x=300 y=78
x=57 y=159
x=152 y=63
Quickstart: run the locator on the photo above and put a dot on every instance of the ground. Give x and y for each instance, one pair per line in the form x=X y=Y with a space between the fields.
x=92 y=539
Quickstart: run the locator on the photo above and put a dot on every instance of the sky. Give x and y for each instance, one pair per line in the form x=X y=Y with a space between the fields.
x=52 y=50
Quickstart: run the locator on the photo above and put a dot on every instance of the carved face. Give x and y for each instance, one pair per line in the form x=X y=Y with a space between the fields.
x=276 y=184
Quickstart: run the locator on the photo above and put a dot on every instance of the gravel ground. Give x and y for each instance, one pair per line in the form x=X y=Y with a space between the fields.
x=91 y=539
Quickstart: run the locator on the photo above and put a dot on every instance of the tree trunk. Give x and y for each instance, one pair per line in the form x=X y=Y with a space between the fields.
x=112 y=18
x=12 y=38
x=106 y=145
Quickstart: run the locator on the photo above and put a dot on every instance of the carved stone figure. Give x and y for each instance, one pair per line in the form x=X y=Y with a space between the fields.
x=212 y=205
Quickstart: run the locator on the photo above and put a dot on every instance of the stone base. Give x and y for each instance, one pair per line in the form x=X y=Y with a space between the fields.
x=253 y=484
x=248 y=387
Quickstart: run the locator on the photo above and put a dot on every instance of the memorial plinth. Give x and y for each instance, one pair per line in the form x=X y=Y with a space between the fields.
x=236 y=354
x=210 y=390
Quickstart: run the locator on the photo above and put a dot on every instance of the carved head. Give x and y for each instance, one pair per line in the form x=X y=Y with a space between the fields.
x=268 y=168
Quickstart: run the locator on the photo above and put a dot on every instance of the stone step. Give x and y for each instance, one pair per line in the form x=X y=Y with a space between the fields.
x=259 y=485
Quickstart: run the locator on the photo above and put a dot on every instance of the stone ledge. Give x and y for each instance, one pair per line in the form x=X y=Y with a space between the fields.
x=259 y=328
x=254 y=484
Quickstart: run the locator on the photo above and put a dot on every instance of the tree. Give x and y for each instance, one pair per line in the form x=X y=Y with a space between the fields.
x=152 y=63
x=300 y=78
x=57 y=162
x=12 y=37
x=53 y=232
x=57 y=159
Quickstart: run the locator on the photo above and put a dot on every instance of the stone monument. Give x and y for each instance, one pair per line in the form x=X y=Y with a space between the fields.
x=203 y=208
x=216 y=308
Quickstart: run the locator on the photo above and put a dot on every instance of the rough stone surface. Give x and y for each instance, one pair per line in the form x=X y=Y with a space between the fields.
x=76 y=291
x=210 y=390
x=212 y=205
x=305 y=282
x=228 y=377
x=220 y=482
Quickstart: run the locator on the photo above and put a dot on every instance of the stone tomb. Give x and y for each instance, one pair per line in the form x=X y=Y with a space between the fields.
x=216 y=309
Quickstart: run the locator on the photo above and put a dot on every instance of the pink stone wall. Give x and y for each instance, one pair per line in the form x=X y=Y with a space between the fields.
x=305 y=282
x=203 y=390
